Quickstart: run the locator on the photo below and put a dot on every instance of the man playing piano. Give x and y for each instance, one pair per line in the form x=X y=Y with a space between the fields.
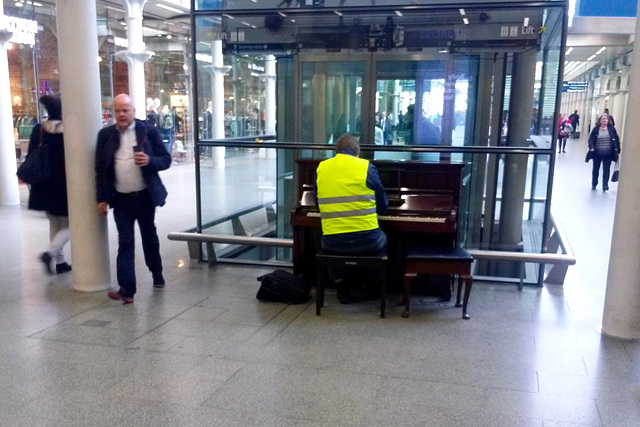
x=350 y=196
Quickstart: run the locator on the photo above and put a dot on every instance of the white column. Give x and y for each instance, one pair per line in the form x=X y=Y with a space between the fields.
x=270 y=95
x=621 y=317
x=217 y=70
x=80 y=90
x=9 y=192
x=135 y=56
x=270 y=100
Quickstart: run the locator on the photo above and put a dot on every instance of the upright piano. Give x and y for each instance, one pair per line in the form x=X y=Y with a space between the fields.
x=424 y=199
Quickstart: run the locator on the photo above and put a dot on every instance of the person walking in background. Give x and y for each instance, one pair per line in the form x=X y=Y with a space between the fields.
x=51 y=195
x=611 y=121
x=575 y=122
x=129 y=155
x=604 y=145
x=564 y=130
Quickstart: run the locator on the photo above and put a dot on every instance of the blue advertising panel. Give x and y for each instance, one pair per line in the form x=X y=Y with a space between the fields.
x=626 y=8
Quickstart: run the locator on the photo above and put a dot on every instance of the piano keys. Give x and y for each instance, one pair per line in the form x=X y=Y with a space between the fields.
x=423 y=208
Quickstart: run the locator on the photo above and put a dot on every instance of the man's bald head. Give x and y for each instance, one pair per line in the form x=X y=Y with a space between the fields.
x=123 y=111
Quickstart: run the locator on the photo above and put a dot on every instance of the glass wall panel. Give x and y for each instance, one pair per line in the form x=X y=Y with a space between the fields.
x=420 y=85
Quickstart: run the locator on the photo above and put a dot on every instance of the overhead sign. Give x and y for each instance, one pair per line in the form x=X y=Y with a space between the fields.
x=574 y=86
x=24 y=30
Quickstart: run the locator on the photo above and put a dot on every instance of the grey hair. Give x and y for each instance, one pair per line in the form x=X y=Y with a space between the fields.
x=349 y=142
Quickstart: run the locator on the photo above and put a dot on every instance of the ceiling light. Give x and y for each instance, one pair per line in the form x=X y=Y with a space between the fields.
x=115 y=8
x=99 y=59
x=246 y=23
x=462 y=12
x=568 y=51
x=525 y=23
x=124 y=24
x=466 y=21
x=398 y=13
x=19 y=4
x=282 y=14
x=169 y=37
x=228 y=16
x=337 y=12
x=169 y=8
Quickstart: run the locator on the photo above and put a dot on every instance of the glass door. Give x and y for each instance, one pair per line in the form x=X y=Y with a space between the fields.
x=331 y=99
x=426 y=101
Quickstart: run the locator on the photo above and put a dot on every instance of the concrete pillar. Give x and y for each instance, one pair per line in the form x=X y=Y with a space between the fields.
x=81 y=109
x=270 y=100
x=9 y=192
x=621 y=316
x=515 y=165
x=135 y=56
x=217 y=70
x=270 y=95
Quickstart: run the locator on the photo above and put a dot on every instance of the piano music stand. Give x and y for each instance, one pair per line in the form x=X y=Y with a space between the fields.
x=438 y=260
x=377 y=261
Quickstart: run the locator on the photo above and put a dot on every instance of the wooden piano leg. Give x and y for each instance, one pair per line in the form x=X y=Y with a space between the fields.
x=459 y=293
x=406 y=285
x=319 y=288
x=468 y=280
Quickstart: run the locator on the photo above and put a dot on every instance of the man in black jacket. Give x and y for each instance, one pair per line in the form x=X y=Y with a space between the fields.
x=129 y=155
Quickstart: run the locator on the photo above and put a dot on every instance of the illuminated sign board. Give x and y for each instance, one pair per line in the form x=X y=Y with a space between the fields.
x=574 y=86
x=24 y=30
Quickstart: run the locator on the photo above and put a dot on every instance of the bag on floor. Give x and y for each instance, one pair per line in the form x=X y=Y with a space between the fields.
x=282 y=286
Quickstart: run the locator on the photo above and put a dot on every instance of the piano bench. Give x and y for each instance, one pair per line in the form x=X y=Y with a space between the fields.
x=376 y=261
x=438 y=260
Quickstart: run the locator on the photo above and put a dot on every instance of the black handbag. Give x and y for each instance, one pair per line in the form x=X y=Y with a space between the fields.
x=616 y=173
x=35 y=168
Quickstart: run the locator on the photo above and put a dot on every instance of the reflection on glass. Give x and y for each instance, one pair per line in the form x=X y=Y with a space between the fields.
x=331 y=100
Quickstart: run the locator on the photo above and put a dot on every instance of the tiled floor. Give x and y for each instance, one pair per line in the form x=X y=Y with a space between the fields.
x=205 y=352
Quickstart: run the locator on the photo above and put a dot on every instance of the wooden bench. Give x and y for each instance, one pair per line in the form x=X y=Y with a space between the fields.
x=436 y=260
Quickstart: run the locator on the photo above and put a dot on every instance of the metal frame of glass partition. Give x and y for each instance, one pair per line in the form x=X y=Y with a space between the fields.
x=536 y=190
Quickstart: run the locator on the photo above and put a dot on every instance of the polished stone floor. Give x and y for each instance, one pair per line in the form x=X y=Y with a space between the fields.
x=205 y=352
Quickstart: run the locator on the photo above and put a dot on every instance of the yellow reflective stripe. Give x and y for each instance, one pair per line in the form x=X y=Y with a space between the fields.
x=347 y=199
x=344 y=214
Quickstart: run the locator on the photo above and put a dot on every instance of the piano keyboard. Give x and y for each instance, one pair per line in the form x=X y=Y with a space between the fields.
x=430 y=219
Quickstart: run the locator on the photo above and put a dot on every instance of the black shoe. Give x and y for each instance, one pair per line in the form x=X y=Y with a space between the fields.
x=63 y=268
x=158 y=281
x=46 y=260
x=345 y=298
x=563 y=151
x=119 y=297
x=593 y=187
x=604 y=189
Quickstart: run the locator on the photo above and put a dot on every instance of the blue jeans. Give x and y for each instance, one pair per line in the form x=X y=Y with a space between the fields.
x=127 y=209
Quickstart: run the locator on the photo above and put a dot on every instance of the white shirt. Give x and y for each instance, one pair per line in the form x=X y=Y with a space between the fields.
x=128 y=175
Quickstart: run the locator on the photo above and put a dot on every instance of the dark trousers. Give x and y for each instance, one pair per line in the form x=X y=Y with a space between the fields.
x=128 y=209
x=562 y=143
x=606 y=167
x=358 y=243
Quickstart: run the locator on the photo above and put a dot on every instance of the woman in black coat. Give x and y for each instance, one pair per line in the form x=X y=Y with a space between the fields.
x=51 y=195
x=604 y=145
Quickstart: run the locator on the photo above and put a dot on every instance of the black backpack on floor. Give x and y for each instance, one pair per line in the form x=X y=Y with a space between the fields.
x=282 y=286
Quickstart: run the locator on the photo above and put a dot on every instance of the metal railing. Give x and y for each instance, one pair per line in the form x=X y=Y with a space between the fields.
x=561 y=261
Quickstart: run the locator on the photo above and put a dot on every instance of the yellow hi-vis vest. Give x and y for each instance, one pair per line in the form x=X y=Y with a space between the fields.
x=346 y=203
